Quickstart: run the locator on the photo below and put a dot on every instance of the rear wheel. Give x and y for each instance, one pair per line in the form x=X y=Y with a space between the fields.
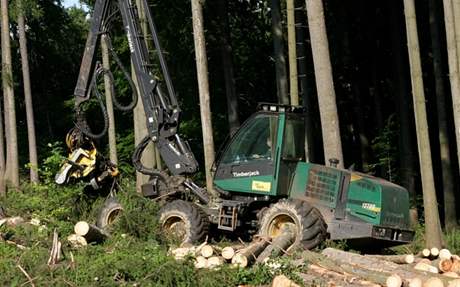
x=109 y=213
x=183 y=222
x=298 y=216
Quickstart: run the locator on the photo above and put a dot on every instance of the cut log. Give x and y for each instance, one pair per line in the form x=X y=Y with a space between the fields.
x=455 y=265
x=215 y=261
x=451 y=274
x=12 y=221
x=394 y=281
x=228 y=252
x=248 y=254
x=283 y=281
x=278 y=245
x=434 y=252
x=76 y=240
x=182 y=252
x=414 y=282
x=445 y=254
x=444 y=265
x=374 y=265
x=425 y=253
x=399 y=259
x=433 y=282
x=426 y=267
x=201 y=262
x=207 y=251
x=90 y=232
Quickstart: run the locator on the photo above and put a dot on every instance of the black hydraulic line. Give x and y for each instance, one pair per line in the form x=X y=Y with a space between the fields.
x=81 y=123
x=134 y=94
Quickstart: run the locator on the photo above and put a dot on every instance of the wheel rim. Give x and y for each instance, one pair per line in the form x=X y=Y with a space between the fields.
x=113 y=215
x=175 y=228
x=280 y=224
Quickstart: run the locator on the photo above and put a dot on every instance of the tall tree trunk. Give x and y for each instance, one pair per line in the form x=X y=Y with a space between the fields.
x=432 y=228
x=227 y=63
x=278 y=48
x=203 y=89
x=292 y=49
x=28 y=95
x=453 y=51
x=140 y=120
x=109 y=102
x=2 y=155
x=8 y=92
x=304 y=91
x=450 y=214
x=403 y=105
x=323 y=73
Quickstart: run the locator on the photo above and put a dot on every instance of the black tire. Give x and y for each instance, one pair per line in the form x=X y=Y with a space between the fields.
x=183 y=221
x=307 y=221
x=108 y=213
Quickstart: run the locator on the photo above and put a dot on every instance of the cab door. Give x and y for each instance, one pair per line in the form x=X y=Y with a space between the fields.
x=248 y=164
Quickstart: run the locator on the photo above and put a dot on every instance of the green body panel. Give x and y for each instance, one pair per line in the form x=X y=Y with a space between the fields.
x=372 y=200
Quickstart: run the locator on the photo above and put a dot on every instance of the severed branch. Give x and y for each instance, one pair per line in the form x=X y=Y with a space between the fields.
x=26 y=274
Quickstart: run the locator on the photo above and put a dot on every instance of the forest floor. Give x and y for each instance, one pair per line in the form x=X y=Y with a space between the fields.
x=135 y=254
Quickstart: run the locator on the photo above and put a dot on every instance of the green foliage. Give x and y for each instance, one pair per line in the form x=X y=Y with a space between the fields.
x=384 y=147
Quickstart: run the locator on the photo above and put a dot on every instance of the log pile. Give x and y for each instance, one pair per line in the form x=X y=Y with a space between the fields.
x=260 y=250
x=333 y=267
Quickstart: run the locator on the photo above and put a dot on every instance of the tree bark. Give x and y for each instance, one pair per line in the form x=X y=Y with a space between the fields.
x=203 y=89
x=109 y=102
x=450 y=214
x=403 y=105
x=432 y=228
x=324 y=82
x=278 y=50
x=455 y=21
x=12 y=169
x=249 y=254
x=28 y=95
x=140 y=121
x=227 y=63
x=292 y=49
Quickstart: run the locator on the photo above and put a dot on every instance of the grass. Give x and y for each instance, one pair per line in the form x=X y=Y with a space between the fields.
x=135 y=255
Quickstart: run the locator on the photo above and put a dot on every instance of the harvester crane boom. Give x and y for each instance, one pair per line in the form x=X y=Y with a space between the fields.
x=161 y=109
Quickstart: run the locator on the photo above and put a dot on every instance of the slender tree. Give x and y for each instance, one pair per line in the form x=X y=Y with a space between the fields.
x=203 y=88
x=2 y=155
x=292 y=49
x=12 y=164
x=432 y=228
x=325 y=85
x=453 y=21
x=278 y=49
x=109 y=102
x=227 y=66
x=140 y=120
x=27 y=93
x=450 y=214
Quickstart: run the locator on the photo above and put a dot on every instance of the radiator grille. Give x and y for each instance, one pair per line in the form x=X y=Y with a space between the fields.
x=322 y=184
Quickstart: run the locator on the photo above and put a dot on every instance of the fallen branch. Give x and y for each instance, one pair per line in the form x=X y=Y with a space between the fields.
x=26 y=274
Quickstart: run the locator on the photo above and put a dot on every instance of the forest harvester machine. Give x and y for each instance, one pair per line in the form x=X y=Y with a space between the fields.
x=261 y=177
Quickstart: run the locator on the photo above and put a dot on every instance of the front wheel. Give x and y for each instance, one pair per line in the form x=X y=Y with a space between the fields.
x=183 y=222
x=298 y=216
x=110 y=211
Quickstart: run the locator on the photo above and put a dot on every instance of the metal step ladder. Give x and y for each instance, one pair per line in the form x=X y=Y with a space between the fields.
x=228 y=215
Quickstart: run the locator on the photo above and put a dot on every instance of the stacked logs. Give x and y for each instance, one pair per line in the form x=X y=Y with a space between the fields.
x=239 y=255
